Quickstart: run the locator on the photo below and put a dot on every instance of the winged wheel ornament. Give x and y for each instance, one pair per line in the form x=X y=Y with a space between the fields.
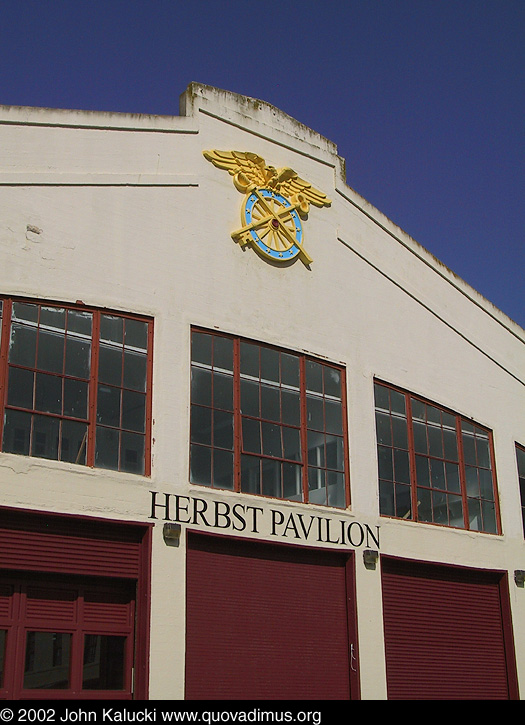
x=276 y=200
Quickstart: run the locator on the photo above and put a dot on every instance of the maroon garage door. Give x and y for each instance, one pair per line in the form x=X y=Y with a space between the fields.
x=447 y=633
x=266 y=622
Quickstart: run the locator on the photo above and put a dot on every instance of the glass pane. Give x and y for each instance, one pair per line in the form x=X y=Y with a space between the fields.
x=401 y=466
x=422 y=471
x=474 y=512
x=437 y=474
x=386 y=498
x=314 y=376
x=292 y=444
x=439 y=501
x=201 y=386
x=251 y=436
x=451 y=445
x=335 y=481
x=420 y=437
x=136 y=334
x=53 y=317
x=453 y=483
x=200 y=465
x=399 y=431
x=332 y=382
x=418 y=409
x=269 y=365
x=249 y=359
x=482 y=447
x=223 y=391
x=48 y=393
x=424 y=504
x=403 y=501
x=103 y=662
x=469 y=449
x=381 y=397
x=50 y=351
x=108 y=405
x=223 y=353
x=133 y=411
x=44 y=441
x=314 y=408
x=291 y=409
x=79 y=322
x=201 y=348
x=222 y=469
x=250 y=398
x=316 y=451
x=270 y=403
x=20 y=388
x=250 y=474
x=455 y=507
x=107 y=448
x=78 y=357
x=386 y=468
x=201 y=425
x=292 y=482
x=22 y=350
x=17 y=431
x=334 y=453
x=471 y=476
x=271 y=478
x=489 y=517
x=25 y=311
x=271 y=440
x=485 y=484
x=223 y=429
x=435 y=442
x=334 y=417
x=110 y=365
x=47 y=660
x=384 y=433
x=75 y=398
x=135 y=370
x=289 y=370
x=398 y=402
x=73 y=442
x=132 y=453
x=112 y=328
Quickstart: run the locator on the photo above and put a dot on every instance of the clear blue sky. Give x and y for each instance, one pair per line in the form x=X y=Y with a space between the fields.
x=424 y=98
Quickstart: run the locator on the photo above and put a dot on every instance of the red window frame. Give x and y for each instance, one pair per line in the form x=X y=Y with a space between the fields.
x=90 y=417
x=444 y=484
x=520 y=462
x=228 y=454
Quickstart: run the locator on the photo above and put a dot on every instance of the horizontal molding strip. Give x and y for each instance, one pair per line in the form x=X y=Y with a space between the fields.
x=87 y=179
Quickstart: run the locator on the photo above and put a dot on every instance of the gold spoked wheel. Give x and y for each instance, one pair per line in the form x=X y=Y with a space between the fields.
x=272 y=225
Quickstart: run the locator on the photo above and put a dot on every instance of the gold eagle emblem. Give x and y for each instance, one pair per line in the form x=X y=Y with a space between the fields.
x=276 y=200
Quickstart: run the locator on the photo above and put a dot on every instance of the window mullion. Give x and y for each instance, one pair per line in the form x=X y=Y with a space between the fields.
x=411 y=458
x=237 y=421
x=462 y=474
x=304 y=420
x=4 y=354
x=93 y=377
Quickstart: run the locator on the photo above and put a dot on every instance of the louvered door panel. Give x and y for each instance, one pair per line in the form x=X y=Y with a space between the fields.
x=265 y=622
x=444 y=635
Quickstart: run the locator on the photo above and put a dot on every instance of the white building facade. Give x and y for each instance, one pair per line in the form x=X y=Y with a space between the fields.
x=257 y=443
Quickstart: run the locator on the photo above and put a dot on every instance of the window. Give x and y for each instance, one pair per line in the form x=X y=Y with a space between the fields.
x=434 y=465
x=267 y=421
x=77 y=385
x=520 y=455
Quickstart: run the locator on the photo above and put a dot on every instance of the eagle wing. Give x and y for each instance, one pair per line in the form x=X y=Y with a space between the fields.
x=294 y=185
x=245 y=167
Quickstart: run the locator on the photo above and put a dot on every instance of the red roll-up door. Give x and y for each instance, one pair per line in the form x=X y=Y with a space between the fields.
x=446 y=633
x=266 y=622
